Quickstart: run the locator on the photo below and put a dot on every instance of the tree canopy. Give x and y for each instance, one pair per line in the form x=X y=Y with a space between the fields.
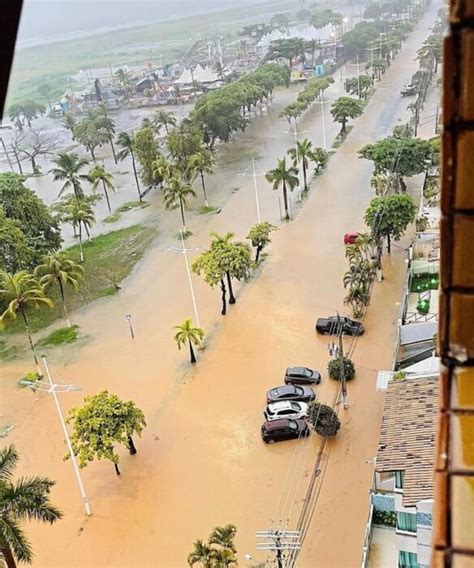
x=404 y=156
x=344 y=108
x=390 y=216
x=102 y=422
x=23 y=213
x=324 y=16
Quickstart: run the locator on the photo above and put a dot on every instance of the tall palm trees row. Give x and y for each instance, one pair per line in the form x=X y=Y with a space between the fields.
x=286 y=175
x=24 y=291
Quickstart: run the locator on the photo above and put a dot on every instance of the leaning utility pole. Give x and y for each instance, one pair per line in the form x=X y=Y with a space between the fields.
x=278 y=541
x=53 y=388
x=341 y=362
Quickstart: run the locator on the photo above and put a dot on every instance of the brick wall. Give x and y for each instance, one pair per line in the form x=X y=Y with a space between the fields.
x=453 y=521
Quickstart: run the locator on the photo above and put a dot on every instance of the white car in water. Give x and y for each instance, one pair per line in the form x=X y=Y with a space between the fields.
x=286 y=409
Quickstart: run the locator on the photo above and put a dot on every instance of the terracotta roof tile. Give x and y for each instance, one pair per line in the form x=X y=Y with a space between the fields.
x=407 y=439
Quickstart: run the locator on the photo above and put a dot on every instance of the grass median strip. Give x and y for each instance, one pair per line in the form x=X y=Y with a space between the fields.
x=108 y=259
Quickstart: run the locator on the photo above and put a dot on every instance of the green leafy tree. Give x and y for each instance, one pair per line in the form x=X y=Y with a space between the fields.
x=429 y=54
x=286 y=49
x=403 y=131
x=202 y=163
x=29 y=110
x=302 y=153
x=164 y=169
x=335 y=371
x=40 y=228
x=403 y=157
x=234 y=257
x=208 y=264
x=189 y=334
x=183 y=142
x=373 y=11
x=176 y=193
x=357 y=40
x=26 y=499
x=259 y=235
x=359 y=86
x=320 y=158
x=100 y=176
x=100 y=424
x=20 y=293
x=15 y=252
x=344 y=108
x=68 y=168
x=128 y=147
x=324 y=419
x=285 y=177
x=164 y=118
x=90 y=134
x=146 y=152
x=390 y=216
x=58 y=269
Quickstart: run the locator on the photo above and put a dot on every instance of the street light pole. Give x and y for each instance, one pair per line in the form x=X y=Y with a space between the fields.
x=128 y=317
x=322 y=118
x=256 y=190
x=7 y=154
x=77 y=473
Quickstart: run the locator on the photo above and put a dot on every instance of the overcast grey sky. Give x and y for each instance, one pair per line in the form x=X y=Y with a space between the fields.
x=55 y=17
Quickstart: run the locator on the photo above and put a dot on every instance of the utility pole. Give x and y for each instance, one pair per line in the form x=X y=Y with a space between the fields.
x=341 y=363
x=53 y=389
x=183 y=250
x=321 y=102
x=279 y=541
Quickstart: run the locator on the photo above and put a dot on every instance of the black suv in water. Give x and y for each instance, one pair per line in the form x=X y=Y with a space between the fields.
x=330 y=326
x=285 y=429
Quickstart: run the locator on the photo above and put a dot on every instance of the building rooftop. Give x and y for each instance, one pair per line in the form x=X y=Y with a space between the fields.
x=407 y=439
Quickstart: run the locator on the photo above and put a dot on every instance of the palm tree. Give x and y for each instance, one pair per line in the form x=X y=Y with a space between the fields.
x=127 y=142
x=222 y=558
x=164 y=169
x=69 y=123
x=164 y=118
x=224 y=536
x=27 y=499
x=202 y=163
x=286 y=177
x=21 y=292
x=58 y=269
x=107 y=124
x=202 y=553
x=302 y=153
x=176 y=193
x=99 y=175
x=188 y=333
x=80 y=214
x=67 y=168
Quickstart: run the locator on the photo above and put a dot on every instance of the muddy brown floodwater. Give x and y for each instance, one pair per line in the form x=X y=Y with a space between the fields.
x=201 y=461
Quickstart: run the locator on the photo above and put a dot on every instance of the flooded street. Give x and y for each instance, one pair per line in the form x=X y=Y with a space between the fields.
x=201 y=461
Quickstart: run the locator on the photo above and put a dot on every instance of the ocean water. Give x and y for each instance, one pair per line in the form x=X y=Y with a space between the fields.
x=50 y=21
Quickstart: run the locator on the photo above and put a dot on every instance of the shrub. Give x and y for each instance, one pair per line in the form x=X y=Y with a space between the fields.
x=387 y=518
x=334 y=369
x=30 y=378
x=324 y=419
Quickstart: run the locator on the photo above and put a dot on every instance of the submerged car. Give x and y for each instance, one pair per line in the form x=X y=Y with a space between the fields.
x=302 y=376
x=290 y=392
x=351 y=238
x=408 y=90
x=286 y=409
x=285 y=429
x=330 y=326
